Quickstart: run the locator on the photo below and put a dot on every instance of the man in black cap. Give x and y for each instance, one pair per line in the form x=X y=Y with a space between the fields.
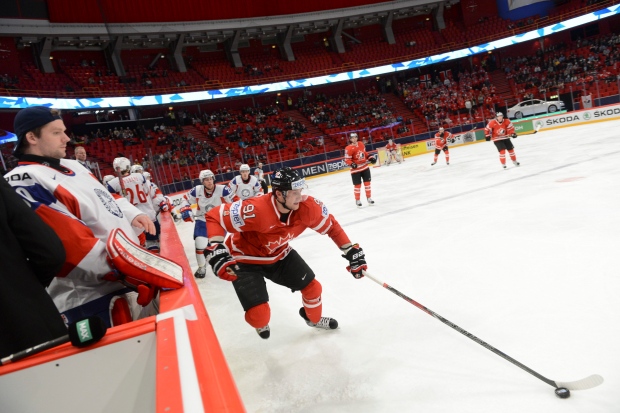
x=82 y=213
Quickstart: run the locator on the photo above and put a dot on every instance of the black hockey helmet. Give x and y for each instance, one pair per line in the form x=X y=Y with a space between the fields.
x=285 y=179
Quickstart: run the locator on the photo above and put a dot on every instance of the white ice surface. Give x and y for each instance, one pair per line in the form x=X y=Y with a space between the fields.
x=522 y=258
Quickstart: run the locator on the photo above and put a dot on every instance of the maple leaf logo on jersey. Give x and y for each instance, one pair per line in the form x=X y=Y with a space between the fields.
x=274 y=245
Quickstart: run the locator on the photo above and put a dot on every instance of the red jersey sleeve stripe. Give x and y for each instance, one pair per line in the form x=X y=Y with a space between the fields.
x=66 y=198
x=323 y=226
x=76 y=237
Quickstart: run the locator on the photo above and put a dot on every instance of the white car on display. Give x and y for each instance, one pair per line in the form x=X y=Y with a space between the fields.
x=534 y=107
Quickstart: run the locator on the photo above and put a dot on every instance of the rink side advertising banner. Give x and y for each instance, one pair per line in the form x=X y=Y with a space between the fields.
x=523 y=126
x=322 y=168
x=17 y=102
x=582 y=116
x=415 y=148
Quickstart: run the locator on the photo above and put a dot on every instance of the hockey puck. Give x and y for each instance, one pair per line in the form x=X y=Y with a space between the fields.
x=562 y=392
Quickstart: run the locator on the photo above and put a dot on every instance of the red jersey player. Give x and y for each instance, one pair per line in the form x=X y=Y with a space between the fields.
x=500 y=130
x=257 y=247
x=441 y=144
x=392 y=152
x=358 y=159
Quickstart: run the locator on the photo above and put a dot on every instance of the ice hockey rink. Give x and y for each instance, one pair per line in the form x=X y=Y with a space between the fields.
x=522 y=258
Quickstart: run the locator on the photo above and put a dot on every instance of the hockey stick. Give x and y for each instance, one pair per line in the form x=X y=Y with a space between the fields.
x=583 y=384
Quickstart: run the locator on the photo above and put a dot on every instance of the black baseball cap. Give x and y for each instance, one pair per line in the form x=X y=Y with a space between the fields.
x=29 y=119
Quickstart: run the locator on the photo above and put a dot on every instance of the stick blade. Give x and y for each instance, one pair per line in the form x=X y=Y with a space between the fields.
x=583 y=384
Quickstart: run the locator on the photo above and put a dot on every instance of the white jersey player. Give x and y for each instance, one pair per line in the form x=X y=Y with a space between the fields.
x=85 y=216
x=206 y=196
x=244 y=186
x=260 y=175
x=107 y=179
x=134 y=187
x=160 y=204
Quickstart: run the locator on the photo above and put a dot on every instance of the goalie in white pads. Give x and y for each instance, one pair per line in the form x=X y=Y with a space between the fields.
x=83 y=214
x=206 y=196
x=393 y=153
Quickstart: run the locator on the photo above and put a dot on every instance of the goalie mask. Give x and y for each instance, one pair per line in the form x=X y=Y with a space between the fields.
x=121 y=164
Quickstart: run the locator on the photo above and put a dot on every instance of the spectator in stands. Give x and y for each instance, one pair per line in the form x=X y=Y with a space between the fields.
x=80 y=156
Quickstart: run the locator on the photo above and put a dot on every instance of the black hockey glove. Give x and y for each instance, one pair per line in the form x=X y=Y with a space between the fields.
x=487 y=138
x=372 y=159
x=357 y=263
x=513 y=136
x=222 y=263
x=353 y=165
x=452 y=140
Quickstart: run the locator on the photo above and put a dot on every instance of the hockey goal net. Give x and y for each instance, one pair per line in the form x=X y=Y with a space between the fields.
x=389 y=157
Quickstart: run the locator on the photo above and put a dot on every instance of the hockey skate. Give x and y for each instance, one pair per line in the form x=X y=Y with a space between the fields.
x=358 y=203
x=264 y=332
x=370 y=201
x=200 y=272
x=504 y=166
x=516 y=163
x=447 y=163
x=433 y=163
x=325 y=323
